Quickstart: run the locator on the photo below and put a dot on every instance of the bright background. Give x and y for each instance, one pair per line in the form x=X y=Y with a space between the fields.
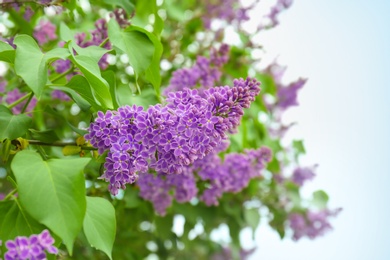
x=343 y=47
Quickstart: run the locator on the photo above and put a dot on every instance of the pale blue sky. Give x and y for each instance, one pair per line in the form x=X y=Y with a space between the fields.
x=343 y=47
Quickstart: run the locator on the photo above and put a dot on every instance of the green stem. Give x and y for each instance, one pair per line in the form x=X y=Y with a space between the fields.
x=103 y=42
x=60 y=76
x=20 y=100
x=28 y=102
x=10 y=194
x=61 y=144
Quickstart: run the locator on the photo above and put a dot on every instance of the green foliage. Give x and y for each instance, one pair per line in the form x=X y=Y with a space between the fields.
x=58 y=185
x=12 y=126
x=135 y=43
x=34 y=76
x=99 y=224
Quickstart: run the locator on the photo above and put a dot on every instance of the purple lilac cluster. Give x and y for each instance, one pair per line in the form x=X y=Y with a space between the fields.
x=158 y=189
x=44 y=32
x=286 y=94
x=168 y=138
x=205 y=72
x=303 y=174
x=14 y=95
x=99 y=35
x=279 y=7
x=312 y=224
x=229 y=11
x=31 y=248
x=231 y=175
x=121 y=17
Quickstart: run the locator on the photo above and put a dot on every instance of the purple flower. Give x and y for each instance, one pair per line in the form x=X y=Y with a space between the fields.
x=301 y=175
x=121 y=17
x=229 y=11
x=287 y=95
x=312 y=224
x=168 y=138
x=205 y=72
x=31 y=248
x=44 y=32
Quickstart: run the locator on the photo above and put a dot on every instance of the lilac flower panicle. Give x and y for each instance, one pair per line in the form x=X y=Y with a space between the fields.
x=231 y=175
x=99 y=34
x=303 y=174
x=228 y=10
x=32 y=248
x=287 y=96
x=168 y=138
x=44 y=32
x=121 y=17
x=313 y=224
x=205 y=72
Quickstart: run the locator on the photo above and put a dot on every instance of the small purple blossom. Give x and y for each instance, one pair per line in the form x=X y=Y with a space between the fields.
x=121 y=17
x=229 y=11
x=44 y=32
x=32 y=248
x=301 y=175
x=287 y=95
x=312 y=224
x=99 y=34
x=205 y=72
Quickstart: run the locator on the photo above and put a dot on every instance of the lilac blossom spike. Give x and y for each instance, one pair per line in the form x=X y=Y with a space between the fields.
x=205 y=72
x=287 y=95
x=44 y=32
x=168 y=138
x=313 y=224
x=301 y=175
x=121 y=17
x=33 y=247
x=227 y=10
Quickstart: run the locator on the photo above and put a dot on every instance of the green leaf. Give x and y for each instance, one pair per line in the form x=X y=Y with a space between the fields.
x=65 y=33
x=100 y=224
x=7 y=53
x=99 y=85
x=46 y=136
x=24 y=26
x=81 y=102
x=135 y=43
x=12 y=126
x=28 y=50
x=320 y=199
x=110 y=77
x=131 y=198
x=164 y=226
x=14 y=221
x=299 y=147
x=81 y=86
x=153 y=72
x=252 y=217
x=125 y=4
x=52 y=192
